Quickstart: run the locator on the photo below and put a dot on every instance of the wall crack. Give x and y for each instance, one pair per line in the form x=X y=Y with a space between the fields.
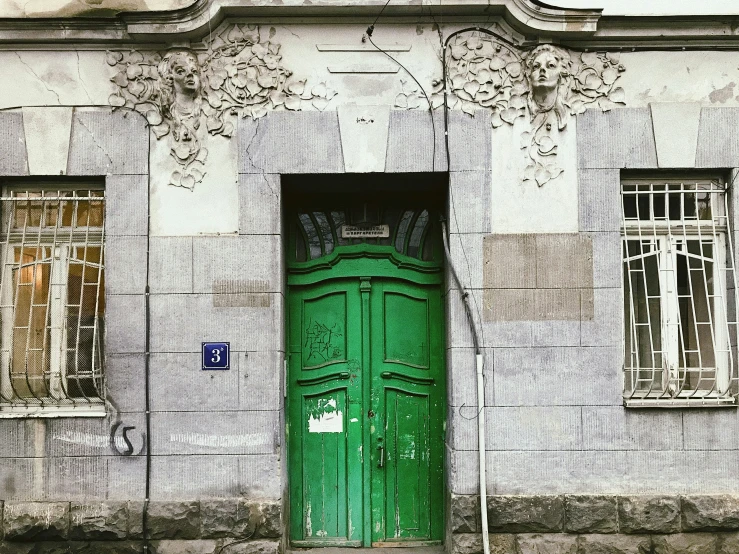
x=58 y=98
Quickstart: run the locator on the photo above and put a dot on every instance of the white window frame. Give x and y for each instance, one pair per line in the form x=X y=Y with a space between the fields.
x=59 y=246
x=667 y=239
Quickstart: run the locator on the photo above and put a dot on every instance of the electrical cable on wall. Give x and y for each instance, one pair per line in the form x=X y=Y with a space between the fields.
x=463 y=291
x=368 y=33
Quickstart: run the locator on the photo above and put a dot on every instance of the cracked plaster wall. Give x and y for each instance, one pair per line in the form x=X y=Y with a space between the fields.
x=82 y=78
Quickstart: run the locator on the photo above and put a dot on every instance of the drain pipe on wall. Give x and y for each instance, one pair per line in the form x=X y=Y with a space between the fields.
x=480 y=394
x=465 y=298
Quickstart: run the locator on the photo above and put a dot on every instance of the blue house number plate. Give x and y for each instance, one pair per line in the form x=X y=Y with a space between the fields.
x=216 y=355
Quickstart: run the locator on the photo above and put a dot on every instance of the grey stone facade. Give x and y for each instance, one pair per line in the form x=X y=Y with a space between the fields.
x=570 y=468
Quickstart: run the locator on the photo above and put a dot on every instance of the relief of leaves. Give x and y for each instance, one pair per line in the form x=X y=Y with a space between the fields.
x=136 y=82
x=594 y=80
x=483 y=72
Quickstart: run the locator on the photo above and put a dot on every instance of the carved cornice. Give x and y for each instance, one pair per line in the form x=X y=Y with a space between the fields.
x=194 y=21
x=533 y=18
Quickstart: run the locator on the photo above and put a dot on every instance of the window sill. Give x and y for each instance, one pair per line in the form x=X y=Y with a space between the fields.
x=9 y=411
x=730 y=402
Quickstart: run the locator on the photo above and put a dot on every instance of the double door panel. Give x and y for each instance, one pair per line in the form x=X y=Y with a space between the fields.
x=366 y=413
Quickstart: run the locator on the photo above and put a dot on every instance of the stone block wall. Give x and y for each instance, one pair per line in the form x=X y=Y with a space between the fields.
x=598 y=524
x=115 y=527
x=550 y=312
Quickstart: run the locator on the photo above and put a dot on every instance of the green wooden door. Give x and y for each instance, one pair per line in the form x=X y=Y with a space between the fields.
x=366 y=412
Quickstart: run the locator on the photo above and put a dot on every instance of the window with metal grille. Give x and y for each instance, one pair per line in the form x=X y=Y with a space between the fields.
x=52 y=300
x=679 y=286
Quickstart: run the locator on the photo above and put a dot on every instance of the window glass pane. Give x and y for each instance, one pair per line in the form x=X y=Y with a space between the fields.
x=403 y=230
x=417 y=234
x=30 y=334
x=85 y=308
x=642 y=311
x=325 y=229
x=695 y=291
x=314 y=242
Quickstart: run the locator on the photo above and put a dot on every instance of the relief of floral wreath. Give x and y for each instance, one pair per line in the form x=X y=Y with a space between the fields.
x=237 y=75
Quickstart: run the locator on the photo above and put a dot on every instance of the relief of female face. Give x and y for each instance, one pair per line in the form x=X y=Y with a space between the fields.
x=186 y=75
x=545 y=71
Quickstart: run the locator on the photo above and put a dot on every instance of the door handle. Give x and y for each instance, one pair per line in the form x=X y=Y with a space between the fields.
x=381 y=462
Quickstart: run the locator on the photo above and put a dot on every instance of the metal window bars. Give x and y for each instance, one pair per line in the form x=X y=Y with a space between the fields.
x=680 y=301
x=52 y=299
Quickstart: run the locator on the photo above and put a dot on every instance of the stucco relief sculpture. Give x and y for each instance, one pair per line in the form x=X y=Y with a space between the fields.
x=548 y=83
x=186 y=94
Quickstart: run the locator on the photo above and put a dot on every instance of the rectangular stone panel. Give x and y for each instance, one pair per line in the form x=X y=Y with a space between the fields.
x=470 y=140
x=526 y=514
x=588 y=513
x=509 y=261
x=557 y=376
x=605 y=326
x=521 y=428
x=244 y=258
x=462 y=377
x=21 y=477
x=617 y=139
x=412 y=131
x=290 y=142
x=124 y=381
x=466 y=252
x=245 y=328
x=557 y=304
x=711 y=430
x=564 y=261
x=36 y=521
x=13 y=156
x=77 y=478
x=709 y=512
x=17 y=437
x=68 y=437
x=682 y=472
x=261 y=476
x=600 y=199
x=649 y=514
x=508 y=305
x=614 y=428
x=556 y=333
x=607 y=259
x=469 y=201
x=98 y=520
x=718 y=143
x=125 y=265
x=108 y=142
x=187 y=477
x=216 y=433
x=570 y=472
x=125 y=331
x=125 y=205
x=170 y=264
x=126 y=477
x=260 y=204
x=261 y=376
x=179 y=384
x=458 y=331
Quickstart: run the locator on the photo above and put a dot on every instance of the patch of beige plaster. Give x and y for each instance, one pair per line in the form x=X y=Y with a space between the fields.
x=722 y=94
